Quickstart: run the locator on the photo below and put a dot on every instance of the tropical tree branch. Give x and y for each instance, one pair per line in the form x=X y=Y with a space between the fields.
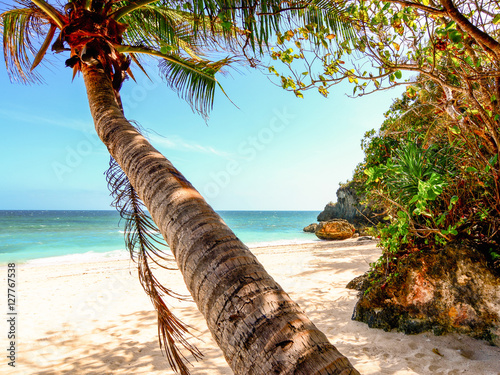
x=480 y=36
x=425 y=8
x=194 y=80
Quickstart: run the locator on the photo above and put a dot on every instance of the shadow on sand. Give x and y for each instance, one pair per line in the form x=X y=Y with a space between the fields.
x=115 y=349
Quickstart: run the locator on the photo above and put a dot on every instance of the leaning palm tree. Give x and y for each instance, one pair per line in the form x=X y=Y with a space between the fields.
x=258 y=327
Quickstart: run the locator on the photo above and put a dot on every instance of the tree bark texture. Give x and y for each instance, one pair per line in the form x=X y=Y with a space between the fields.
x=258 y=327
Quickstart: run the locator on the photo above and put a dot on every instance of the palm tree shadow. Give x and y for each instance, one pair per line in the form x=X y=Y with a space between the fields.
x=117 y=348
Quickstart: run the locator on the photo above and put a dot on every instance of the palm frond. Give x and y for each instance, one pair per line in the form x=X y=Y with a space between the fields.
x=193 y=80
x=129 y=7
x=256 y=20
x=157 y=26
x=154 y=27
x=137 y=62
x=332 y=15
x=262 y=19
x=144 y=243
x=45 y=46
x=18 y=28
x=48 y=10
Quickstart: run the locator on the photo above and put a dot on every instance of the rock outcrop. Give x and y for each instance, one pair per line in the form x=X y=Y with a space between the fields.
x=450 y=289
x=348 y=207
x=311 y=228
x=336 y=229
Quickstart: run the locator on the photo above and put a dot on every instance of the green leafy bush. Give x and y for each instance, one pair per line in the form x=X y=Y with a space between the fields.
x=429 y=183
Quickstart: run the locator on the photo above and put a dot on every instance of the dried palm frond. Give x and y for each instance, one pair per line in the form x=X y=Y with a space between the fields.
x=19 y=28
x=144 y=243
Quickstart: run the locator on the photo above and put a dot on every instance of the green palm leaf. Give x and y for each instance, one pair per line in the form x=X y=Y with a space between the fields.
x=155 y=26
x=175 y=31
x=45 y=46
x=47 y=10
x=331 y=15
x=183 y=63
x=263 y=18
x=194 y=81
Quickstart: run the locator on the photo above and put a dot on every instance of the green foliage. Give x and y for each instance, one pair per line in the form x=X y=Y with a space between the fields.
x=194 y=81
x=451 y=104
x=428 y=182
x=262 y=20
x=413 y=182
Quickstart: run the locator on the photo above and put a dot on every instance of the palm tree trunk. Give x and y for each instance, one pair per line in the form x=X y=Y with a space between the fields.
x=256 y=324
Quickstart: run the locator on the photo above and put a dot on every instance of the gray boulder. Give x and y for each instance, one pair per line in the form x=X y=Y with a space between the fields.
x=311 y=228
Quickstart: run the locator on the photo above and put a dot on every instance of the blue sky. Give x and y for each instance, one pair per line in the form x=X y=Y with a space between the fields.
x=272 y=152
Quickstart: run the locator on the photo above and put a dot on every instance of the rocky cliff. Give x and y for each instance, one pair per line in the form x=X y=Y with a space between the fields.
x=348 y=207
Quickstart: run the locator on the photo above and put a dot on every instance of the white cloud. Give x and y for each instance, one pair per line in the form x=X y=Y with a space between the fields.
x=26 y=117
x=177 y=143
x=171 y=142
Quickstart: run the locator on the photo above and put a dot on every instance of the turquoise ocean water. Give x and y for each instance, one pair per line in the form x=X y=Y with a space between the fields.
x=87 y=235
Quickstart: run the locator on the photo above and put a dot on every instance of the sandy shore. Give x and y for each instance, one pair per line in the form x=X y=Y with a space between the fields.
x=94 y=318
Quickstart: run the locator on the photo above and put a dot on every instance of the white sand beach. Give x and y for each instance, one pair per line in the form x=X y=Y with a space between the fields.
x=94 y=318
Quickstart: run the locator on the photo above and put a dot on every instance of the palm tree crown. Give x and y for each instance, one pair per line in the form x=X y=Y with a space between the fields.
x=114 y=34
